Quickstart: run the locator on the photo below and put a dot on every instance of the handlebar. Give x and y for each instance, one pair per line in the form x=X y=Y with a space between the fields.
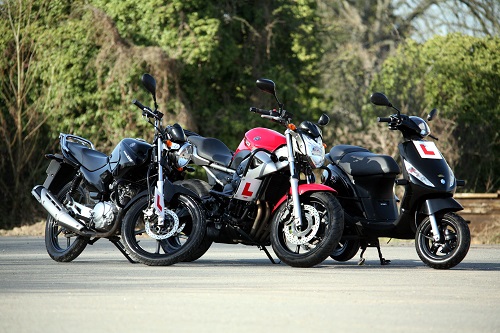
x=263 y=112
x=146 y=111
x=384 y=119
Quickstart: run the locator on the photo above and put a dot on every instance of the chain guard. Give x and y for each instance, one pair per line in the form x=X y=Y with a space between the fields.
x=310 y=218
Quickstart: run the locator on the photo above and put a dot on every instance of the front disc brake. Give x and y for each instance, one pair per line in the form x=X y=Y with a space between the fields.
x=170 y=226
x=310 y=225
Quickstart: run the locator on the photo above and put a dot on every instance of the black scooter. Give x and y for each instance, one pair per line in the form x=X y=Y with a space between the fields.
x=365 y=183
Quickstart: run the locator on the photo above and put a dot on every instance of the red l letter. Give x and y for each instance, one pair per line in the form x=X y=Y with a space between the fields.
x=426 y=152
x=246 y=191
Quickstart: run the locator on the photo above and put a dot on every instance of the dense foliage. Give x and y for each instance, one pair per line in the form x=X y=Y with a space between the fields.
x=75 y=66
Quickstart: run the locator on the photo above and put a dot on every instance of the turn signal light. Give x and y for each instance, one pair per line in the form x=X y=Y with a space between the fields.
x=292 y=127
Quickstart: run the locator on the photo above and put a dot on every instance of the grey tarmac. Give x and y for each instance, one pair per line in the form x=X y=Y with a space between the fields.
x=235 y=288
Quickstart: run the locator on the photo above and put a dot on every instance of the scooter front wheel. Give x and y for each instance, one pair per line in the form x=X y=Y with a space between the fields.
x=311 y=243
x=453 y=246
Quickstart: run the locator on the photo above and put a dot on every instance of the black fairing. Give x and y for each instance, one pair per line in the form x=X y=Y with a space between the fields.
x=435 y=170
x=176 y=133
x=310 y=128
x=128 y=155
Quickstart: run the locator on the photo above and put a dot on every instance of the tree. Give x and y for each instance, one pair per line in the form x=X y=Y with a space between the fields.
x=460 y=75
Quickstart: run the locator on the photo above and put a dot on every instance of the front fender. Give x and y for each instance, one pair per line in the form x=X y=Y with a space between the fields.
x=436 y=205
x=304 y=188
x=171 y=191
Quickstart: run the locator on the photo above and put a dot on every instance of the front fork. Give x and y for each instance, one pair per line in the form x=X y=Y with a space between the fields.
x=159 y=198
x=434 y=225
x=294 y=181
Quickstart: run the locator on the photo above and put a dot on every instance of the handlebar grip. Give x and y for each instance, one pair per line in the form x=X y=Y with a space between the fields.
x=138 y=104
x=384 y=119
x=261 y=111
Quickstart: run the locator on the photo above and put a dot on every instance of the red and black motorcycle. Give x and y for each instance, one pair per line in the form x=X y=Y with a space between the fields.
x=265 y=192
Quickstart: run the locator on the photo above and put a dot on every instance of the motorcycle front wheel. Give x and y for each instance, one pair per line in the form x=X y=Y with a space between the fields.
x=64 y=245
x=453 y=246
x=146 y=245
x=315 y=240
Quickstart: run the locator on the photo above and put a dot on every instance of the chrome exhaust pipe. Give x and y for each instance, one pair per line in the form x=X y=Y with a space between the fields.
x=55 y=208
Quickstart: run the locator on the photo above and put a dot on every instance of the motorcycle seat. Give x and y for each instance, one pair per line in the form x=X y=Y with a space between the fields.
x=358 y=161
x=212 y=149
x=90 y=159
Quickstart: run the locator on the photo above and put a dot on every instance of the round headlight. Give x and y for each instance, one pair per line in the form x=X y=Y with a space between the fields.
x=183 y=155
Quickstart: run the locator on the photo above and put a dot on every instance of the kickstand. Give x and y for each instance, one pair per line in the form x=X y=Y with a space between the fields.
x=376 y=243
x=363 y=249
x=263 y=248
x=383 y=261
x=116 y=241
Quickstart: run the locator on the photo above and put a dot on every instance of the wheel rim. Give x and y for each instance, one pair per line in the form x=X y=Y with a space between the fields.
x=60 y=238
x=341 y=248
x=159 y=248
x=304 y=240
x=443 y=249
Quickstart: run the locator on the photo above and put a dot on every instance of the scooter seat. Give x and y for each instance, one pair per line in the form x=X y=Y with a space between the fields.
x=337 y=152
x=212 y=149
x=90 y=159
x=366 y=163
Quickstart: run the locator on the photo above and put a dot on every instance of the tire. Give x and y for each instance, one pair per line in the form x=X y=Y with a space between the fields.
x=64 y=245
x=320 y=210
x=201 y=188
x=449 y=253
x=345 y=250
x=156 y=252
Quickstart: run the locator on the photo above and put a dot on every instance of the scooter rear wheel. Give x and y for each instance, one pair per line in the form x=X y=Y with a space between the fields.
x=454 y=244
x=345 y=250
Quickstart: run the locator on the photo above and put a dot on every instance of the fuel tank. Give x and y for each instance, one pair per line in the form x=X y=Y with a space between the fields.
x=129 y=154
x=264 y=138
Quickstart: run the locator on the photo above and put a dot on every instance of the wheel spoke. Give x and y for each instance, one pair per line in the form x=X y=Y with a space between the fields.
x=139 y=232
x=68 y=242
x=158 y=246
x=297 y=249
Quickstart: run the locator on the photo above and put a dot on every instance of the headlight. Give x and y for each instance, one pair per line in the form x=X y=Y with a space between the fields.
x=415 y=173
x=315 y=151
x=183 y=155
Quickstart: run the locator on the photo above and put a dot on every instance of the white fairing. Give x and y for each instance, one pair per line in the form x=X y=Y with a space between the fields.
x=262 y=165
x=248 y=188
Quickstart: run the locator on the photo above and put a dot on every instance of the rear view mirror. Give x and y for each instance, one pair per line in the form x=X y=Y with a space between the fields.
x=267 y=86
x=323 y=120
x=380 y=99
x=149 y=83
x=432 y=114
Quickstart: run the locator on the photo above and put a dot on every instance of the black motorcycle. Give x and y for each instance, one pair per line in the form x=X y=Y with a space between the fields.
x=365 y=185
x=90 y=195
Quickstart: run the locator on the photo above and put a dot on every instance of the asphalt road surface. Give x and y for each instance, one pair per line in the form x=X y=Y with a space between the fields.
x=235 y=288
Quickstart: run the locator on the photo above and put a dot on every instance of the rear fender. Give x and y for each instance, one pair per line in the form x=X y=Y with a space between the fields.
x=305 y=188
x=58 y=173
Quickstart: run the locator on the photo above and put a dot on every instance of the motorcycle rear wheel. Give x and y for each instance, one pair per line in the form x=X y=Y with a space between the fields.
x=169 y=251
x=451 y=250
x=62 y=244
x=316 y=249
x=201 y=188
